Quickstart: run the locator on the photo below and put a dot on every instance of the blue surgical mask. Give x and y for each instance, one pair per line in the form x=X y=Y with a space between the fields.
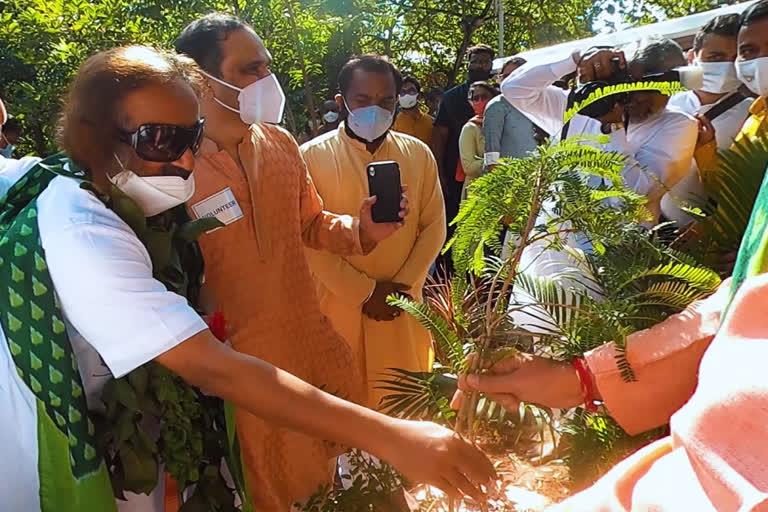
x=369 y=123
x=7 y=151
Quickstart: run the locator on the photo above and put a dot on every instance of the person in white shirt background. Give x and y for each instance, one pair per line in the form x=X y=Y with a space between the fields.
x=658 y=141
x=6 y=162
x=119 y=317
x=714 y=51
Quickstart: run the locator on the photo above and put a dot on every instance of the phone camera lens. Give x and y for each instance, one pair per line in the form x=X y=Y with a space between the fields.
x=371 y=171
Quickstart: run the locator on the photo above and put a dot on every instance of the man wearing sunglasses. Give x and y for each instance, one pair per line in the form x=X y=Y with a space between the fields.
x=80 y=304
x=251 y=176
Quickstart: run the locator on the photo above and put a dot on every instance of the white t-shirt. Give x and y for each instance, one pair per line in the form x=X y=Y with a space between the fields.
x=658 y=150
x=114 y=310
x=690 y=191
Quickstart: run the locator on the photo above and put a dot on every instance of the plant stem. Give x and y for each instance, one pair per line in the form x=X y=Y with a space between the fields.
x=524 y=242
x=466 y=416
x=544 y=236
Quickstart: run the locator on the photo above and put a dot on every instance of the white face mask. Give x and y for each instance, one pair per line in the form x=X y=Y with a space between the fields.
x=154 y=194
x=718 y=77
x=262 y=101
x=369 y=123
x=409 y=100
x=754 y=74
x=331 y=116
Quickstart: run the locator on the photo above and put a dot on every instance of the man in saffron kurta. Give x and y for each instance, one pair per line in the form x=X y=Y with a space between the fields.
x=351 y=288
x=258 y=277
x=253 y=179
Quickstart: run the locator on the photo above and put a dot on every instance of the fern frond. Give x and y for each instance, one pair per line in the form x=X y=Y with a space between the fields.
x=697 y=277
x=675 y=295
x=441 y=331
x=417 y=395
x=561 y=304
x=620 y=344
x=733 y=188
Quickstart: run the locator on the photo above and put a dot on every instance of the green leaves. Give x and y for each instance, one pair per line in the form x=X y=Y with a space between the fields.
x=193 y=435
x=192 y=230
x=574 y=180
x=368 y=485
x=139 y=470
x=192 y=439
x=559 y=303
x=418 y=395
x=733 y=188
x=441 y=331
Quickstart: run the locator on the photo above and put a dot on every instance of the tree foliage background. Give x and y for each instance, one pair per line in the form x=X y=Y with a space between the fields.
x=42 y=42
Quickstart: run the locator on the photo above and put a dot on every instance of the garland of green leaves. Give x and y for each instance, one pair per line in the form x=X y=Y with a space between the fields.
x=195 y=430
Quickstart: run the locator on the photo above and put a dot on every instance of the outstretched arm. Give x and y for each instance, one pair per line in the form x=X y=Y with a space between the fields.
x=665 y=359
x=423 y=452
x=129 y=318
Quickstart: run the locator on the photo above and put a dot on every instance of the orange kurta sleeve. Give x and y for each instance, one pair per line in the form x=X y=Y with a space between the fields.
x=665 y=360
x=322 y=230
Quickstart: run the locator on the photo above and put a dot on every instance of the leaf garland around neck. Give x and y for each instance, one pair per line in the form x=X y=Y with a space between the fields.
x=192 y=439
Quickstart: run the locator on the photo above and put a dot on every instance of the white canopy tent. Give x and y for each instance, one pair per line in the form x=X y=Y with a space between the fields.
x=679 y=29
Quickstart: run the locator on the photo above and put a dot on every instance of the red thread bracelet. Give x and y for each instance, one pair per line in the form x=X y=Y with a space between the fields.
x=586 y=384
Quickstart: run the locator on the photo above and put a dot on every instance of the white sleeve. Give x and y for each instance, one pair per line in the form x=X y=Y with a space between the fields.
x=667 y=156
x=103 y=277
x=530 y=90
x=12 y=169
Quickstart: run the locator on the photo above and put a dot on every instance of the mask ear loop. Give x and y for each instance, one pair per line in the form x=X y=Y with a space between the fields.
x=222 y=82
x=122 y=169
x=349 y=110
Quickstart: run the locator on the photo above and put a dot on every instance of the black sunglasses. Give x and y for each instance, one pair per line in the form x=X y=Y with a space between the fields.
x=164 y=142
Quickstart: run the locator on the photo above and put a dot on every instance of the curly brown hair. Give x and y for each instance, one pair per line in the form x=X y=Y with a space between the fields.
x=89 y=125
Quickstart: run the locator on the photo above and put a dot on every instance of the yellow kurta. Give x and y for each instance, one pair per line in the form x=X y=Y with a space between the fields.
x=337 y=165
x=471 y=151
x=416 y=123
x=753 y=128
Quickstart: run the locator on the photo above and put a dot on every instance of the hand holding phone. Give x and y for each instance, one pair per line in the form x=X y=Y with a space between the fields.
x=384 y=212
x=384 y=183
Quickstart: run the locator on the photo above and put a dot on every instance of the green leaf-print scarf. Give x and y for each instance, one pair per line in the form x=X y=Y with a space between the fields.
x=72 y=474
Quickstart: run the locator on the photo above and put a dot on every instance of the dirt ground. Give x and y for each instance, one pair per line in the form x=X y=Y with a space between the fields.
x=524 y=486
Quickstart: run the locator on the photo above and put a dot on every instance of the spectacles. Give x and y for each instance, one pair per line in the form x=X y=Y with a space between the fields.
x=164 y=142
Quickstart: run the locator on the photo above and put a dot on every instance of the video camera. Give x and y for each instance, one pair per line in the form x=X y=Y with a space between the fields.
x=598 y=98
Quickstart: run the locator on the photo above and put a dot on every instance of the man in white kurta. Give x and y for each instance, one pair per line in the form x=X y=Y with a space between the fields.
x=337 y=162
x=658 y=145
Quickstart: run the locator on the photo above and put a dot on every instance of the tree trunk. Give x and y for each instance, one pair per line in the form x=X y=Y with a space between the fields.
x=388 y=42
x=291 y=122
x=303 y=63
x=38 y=137
x=469 y=24
x=460 y=54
